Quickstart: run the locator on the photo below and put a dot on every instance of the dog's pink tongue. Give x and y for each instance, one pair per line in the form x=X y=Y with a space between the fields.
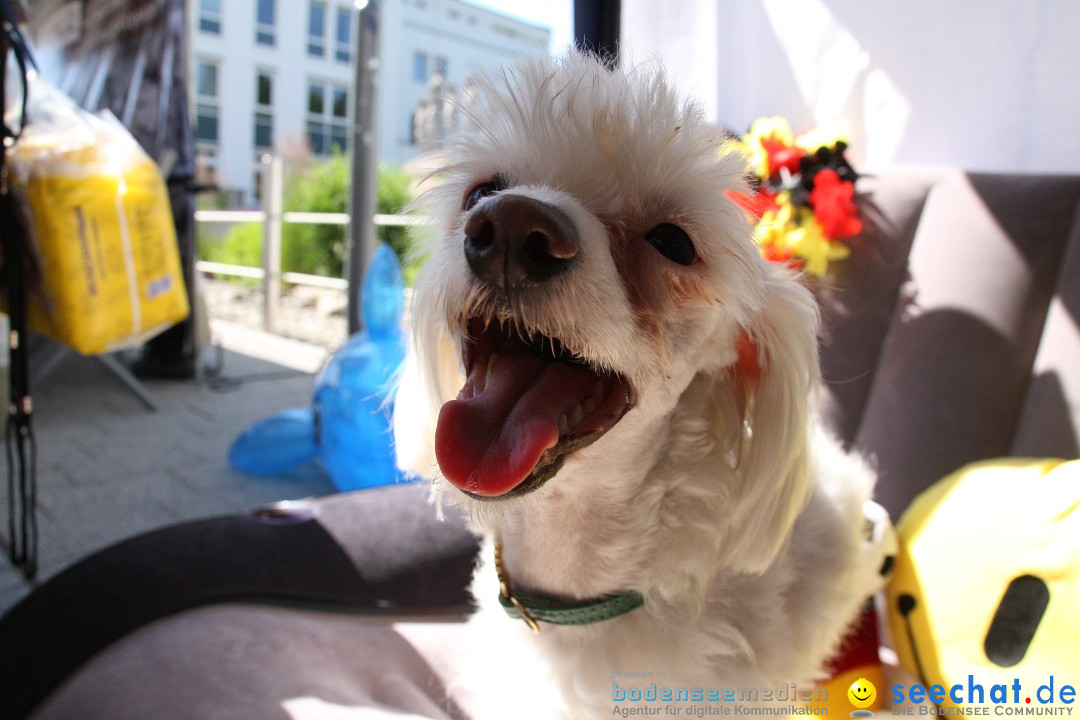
x=488 y=443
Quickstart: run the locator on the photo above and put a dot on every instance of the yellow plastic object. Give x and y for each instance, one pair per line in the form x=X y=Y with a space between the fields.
x=103 y=230
x=985 y=600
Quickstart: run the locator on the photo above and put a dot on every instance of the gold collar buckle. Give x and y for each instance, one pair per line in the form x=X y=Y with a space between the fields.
x=504 y=590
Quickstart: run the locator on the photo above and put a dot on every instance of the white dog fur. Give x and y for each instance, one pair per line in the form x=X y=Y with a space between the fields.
x=716 y=496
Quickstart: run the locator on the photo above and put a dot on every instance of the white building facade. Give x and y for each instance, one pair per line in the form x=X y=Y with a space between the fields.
x=276 y=76
x=422 y=38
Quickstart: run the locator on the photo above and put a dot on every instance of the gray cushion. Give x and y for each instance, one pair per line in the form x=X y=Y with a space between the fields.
x=956 y=362
x=859 y=295
x=1050 y=420
x=237 y=662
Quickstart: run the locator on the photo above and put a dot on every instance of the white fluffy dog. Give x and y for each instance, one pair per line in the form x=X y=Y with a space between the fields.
x=615 y=386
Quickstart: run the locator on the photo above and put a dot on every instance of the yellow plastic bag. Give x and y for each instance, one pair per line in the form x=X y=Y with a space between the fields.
x=103 y=229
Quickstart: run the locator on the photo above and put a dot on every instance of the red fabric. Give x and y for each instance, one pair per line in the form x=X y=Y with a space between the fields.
x=860 y=647
x=754 y=204
x=834 y=205
x=782 y=155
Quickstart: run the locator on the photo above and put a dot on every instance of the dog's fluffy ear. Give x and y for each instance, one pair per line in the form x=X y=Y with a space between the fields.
x=429 y=377
x=773 y=382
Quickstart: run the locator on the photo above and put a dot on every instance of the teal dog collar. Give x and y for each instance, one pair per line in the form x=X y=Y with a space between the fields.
x=534 y=609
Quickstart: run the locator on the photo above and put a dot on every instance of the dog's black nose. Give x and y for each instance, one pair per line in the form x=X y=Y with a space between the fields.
x=517 y=241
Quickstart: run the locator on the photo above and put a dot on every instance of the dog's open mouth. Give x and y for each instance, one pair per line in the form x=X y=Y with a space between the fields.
x=527 y=403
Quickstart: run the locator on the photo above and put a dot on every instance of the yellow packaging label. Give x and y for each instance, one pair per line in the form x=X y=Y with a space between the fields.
x=110 y=264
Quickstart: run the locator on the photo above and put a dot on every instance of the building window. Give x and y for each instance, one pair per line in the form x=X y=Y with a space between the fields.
x=206 y=101
x=264 y=130
x=206 y=85
x=343 y=47
x=206 y=123
x=316 y=126
x=206 y=165
x=419 y=67
x=317 y=29
x=264 y=112
x=339 y=139
x=441 y=66
x=264 y=90
x=316 y=104
x=264 y=22
x=340 y=106
x=327 y=118
x=317 y=140
x=210 y=16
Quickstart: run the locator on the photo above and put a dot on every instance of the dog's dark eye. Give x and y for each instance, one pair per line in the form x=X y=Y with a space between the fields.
x=673 y=243
x=481 y=191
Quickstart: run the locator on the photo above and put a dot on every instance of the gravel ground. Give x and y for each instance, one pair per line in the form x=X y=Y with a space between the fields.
x=314 y=315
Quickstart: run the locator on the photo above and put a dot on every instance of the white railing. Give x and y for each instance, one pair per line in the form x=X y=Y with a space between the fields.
x=272 y=219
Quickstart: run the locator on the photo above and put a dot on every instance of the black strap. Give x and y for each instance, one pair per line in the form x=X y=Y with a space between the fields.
x=401 y=561
x=12 y=40
x=21 y=450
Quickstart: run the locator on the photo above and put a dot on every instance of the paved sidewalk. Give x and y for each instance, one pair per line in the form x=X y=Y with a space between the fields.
x=108 y=468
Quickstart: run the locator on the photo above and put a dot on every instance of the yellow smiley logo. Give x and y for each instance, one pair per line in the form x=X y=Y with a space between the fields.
x=862 y=693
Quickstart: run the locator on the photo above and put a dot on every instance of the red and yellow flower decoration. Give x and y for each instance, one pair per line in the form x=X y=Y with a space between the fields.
x=804 y=200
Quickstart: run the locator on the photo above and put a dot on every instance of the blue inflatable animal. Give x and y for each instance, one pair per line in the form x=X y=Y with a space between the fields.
x=347 y=427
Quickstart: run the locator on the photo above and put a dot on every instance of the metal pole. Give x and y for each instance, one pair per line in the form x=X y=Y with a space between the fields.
x=362 y=201
x=271 y=255
x=596 y=27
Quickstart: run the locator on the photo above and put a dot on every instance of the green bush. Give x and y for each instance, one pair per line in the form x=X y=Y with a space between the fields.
x=241 y=245
x=323 y=187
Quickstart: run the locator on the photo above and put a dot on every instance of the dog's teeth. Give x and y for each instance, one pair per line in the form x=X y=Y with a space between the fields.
x=564 y=427
x=597 y=393
x=491 y=363
x=588 y=406
x=576 y=415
